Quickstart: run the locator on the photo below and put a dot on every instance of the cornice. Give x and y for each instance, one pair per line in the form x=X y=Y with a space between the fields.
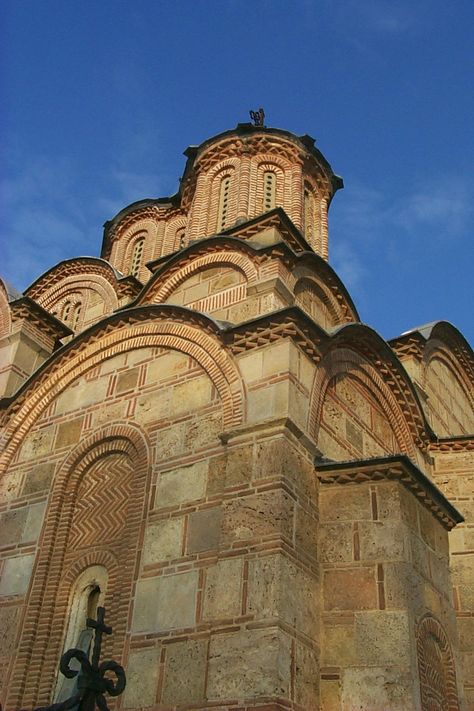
x=29 y=310
x=79 y=266
x=459 y=443
x=393 y=468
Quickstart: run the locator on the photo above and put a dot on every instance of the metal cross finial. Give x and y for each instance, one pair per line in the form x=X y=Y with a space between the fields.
x=257 y=117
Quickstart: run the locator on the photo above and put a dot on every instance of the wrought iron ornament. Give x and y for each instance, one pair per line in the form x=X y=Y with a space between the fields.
x=257 y=117
x=92 y=684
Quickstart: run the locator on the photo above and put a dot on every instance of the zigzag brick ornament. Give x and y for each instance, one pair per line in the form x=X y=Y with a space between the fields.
x=275 y=505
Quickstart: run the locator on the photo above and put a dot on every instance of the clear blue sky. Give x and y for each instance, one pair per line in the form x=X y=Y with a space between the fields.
x=103 y=96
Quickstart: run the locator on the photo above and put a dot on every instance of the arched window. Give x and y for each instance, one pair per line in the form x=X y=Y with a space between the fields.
x=67 y=308
x=88 y=593
x=224 y=196
x=76 y=315
x=137 y=257
x=180 y=240
x=269 y=190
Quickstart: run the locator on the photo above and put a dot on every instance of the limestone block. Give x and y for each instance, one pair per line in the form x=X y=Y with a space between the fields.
x=167 y=366
x=16 y=574
x=404 y=588
x=9 y=485
x=268 y=402
x=277 y=587
x=12 y=524
x=350 y=589
x=83 y=393
x=230 y=469
x=109 y=413
x=338 y=645
x=335 y=542
x=383 y=637
x=265 y=514
x=383 y=541
x=170 y=441
x=185 y=672
x=191 y=395
x=331 y=448
x=34 y=522
x=69 y=432
x=182 y=485
x=278 y=458
x=330 y=695
x=37 y=443
x=114 y=363
x=377 y=688
x=306 y=532
x=143 y=669
x=164 y=603
x=163 y=539
x=419 y=555
x=153 y=406
x=249 y=663
x=9 y=618
x=203 y=431
x=306 y=681
x=463 y=580
x=251 y=365
x=127 y=380
x=204 y=530
x=276 y=358
x=223 y=590
x=347 y=503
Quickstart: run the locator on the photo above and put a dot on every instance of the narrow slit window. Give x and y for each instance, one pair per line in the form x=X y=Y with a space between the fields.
x=308 y=213
x=224 y=198
x=67 y=311
x=137 y=257
x=76 y=317
x=269 y=190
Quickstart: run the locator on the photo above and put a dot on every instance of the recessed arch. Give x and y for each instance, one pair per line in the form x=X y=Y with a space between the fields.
x=111 y=338
x=436 y=666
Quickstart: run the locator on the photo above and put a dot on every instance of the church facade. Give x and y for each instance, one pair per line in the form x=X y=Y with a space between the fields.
x=274 y=505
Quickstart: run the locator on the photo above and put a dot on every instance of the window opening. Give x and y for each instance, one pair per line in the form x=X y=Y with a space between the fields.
x=224 y=197
x=67 y=311
x=76 y=316
x=308 y=213
x=137 y=257
x=269 y=190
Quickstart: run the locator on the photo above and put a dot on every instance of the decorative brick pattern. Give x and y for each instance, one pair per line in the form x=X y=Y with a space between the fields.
x=436 y=667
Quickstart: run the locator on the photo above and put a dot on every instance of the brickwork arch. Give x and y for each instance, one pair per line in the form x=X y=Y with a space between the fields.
x=172 y=242
x=316 y=292
x=60 y=561
x=436 y=667
x=122 y=248
x=164 y=287
x=113 y=339
x=282 y=169
x=344 y=361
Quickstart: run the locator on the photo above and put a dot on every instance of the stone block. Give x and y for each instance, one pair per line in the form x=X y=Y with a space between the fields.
x=83 y=393
x=11 y=526
x=37 y=443
x=377 y=688
x=34 y=522
x=153 y=406
x=223 y=590
x=383 y=637
x=419 y=555
x=306 y=532
x=345 y=503
x=383 y=541
x=109 y=413
x=163 y=540
x=166 y=366
x=276 y=358
x=350 y=589
x=330 y=695
x=266 y=514
x=185 y=672
x=306 y=682
x=143 y=669
x=338 y=645
x=249 y=663
x=69 y=432
x=276 y=458
x=230 y=469
x=202 y=431
x=181 y=485
x=268 y=402
x=191 y=395
x=170 y=441
x=335 y=542
x=204 y=530
x=16 y=574
x=9 y=618
x=251 y=365
x=127 y=380
x=165 y=603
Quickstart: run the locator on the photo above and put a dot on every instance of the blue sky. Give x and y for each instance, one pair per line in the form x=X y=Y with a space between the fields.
x=103 y=97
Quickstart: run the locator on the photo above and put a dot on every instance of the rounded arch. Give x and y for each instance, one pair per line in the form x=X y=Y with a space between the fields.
x=55 y=297
x=313 y=287
x=215 y=176
x=173 y=232
x=436 y=668
x=120 y=334
x=342 y=361
x=49 y=582
x=163 y=287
